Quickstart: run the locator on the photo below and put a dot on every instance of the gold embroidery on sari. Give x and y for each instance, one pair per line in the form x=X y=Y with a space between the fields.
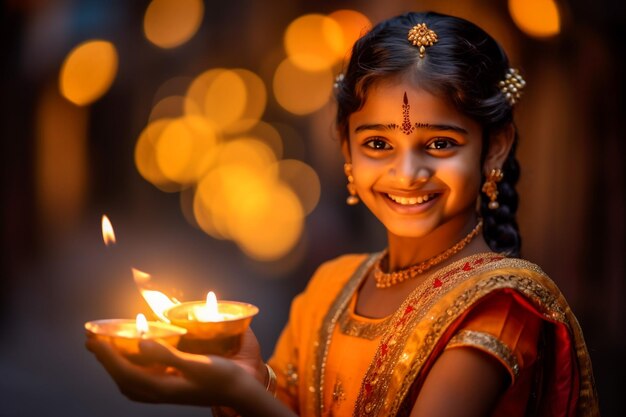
x=351 y=327
x=413 y=310
x=416 y=327
x=395 y=366
x=488 y=343
x=316 y=385
x=291 y=376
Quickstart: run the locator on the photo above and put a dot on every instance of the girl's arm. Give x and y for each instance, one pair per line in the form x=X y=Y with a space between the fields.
x=463 y=382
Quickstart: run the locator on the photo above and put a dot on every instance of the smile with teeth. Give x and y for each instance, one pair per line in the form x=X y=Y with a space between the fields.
x=409 y=201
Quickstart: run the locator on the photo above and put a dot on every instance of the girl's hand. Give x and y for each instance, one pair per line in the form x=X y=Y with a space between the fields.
x=188 y=379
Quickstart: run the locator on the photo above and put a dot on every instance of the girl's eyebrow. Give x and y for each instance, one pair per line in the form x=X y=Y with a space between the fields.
x=393 y=126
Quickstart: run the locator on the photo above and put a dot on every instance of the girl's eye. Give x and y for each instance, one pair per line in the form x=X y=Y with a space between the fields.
x=378 y=144
x=439 y=144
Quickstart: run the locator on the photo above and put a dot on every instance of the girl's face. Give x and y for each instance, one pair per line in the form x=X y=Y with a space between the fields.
x=415 y=159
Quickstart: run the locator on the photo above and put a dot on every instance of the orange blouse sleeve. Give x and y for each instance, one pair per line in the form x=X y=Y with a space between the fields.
x=502 y=326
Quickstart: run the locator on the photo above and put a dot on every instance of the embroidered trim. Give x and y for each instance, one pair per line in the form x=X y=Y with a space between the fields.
x=326 y=330
x=406 y=354
x=412 y=311
x=489 y=344
x=553 y=309
x=351 y=326
x=291 y=376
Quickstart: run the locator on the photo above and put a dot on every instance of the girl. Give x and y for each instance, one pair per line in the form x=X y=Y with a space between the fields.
x=448 y=320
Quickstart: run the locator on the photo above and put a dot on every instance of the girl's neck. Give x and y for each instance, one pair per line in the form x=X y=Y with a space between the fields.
x=407 y=251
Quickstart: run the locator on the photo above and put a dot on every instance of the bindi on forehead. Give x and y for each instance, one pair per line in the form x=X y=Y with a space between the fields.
x=407 y=127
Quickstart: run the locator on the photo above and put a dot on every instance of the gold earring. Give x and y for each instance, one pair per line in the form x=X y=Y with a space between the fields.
x=490 y=187
x=352 y=199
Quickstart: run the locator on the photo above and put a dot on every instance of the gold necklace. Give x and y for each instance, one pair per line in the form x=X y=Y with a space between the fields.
x=387 y=279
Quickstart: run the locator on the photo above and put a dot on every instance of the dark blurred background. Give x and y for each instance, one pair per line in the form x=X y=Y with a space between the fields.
x=71 y=154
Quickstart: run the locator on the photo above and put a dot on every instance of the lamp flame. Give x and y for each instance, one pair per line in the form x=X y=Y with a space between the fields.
x=208 y=312
x=157 y=301
x=142 y=324
x=107 y=231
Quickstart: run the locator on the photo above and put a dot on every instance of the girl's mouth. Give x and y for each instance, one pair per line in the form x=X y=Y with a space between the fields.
x=411 y=201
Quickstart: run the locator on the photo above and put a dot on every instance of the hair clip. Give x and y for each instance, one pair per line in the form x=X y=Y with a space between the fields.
x=512 y=86
x=421 y=36
x=338 y=81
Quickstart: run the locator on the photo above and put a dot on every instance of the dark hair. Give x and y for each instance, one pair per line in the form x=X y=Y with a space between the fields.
x=465 y=66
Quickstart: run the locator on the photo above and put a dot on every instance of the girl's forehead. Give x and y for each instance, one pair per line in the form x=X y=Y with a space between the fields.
x=395 y=98
x=399 y=103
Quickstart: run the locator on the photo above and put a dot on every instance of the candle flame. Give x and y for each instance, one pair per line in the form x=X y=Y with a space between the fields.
x=107 y=231
x=157 y=301
x=208 y=312
x=142 y=324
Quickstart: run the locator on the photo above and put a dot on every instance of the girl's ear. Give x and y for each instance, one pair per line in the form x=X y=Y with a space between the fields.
x=500 y=144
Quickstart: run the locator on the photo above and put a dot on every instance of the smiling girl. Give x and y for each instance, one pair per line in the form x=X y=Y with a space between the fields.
x=448 y=320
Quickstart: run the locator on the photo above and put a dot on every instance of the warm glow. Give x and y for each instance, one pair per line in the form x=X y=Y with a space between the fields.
x=146 y=157
x=169 y=107
x=208 y=311
x=303 y=180
x=353 y=25
x=185 y=149
x=232 y=100
x=537 y=18
x=225 y=99
x=61 y=161
x=107 y=231
x=245 y=198
x=255 y=102
x=170 y=23
x=314 y=42
x=142 y=324
x=157 y=301
x=270 y=224
x=301 y=92
x=88 y=71
x=270 y=136
x=247 y=152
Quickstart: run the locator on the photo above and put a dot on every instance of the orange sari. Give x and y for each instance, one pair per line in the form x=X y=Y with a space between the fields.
x=331 y=362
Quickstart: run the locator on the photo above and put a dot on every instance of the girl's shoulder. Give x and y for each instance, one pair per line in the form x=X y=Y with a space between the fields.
x=478 y=276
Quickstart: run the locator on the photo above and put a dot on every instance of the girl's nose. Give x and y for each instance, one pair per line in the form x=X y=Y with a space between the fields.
x=410 y=171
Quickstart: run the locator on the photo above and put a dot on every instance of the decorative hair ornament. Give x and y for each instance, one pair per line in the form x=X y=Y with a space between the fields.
x=353 y=198
x=490 y=187
x=512 y=86
x=421 y=36
x=338 y=81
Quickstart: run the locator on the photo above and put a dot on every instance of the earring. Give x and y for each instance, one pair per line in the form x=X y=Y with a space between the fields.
x=352 y=199
x=490 y=187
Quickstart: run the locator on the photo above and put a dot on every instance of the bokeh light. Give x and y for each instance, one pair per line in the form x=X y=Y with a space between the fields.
x=170 y=23
x=300 y=91
x=186 y=148
x=88 y=71
x=353 y=25
x=61 y=161
x=168 y=108
x=243 y=198
x=145 y=156
x=213 y=147
x=537 y=18
x=233 y=100
x=303 y=180
x=314 y=42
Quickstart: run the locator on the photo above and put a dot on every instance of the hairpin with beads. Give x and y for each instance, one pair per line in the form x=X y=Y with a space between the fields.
x=512 y=86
